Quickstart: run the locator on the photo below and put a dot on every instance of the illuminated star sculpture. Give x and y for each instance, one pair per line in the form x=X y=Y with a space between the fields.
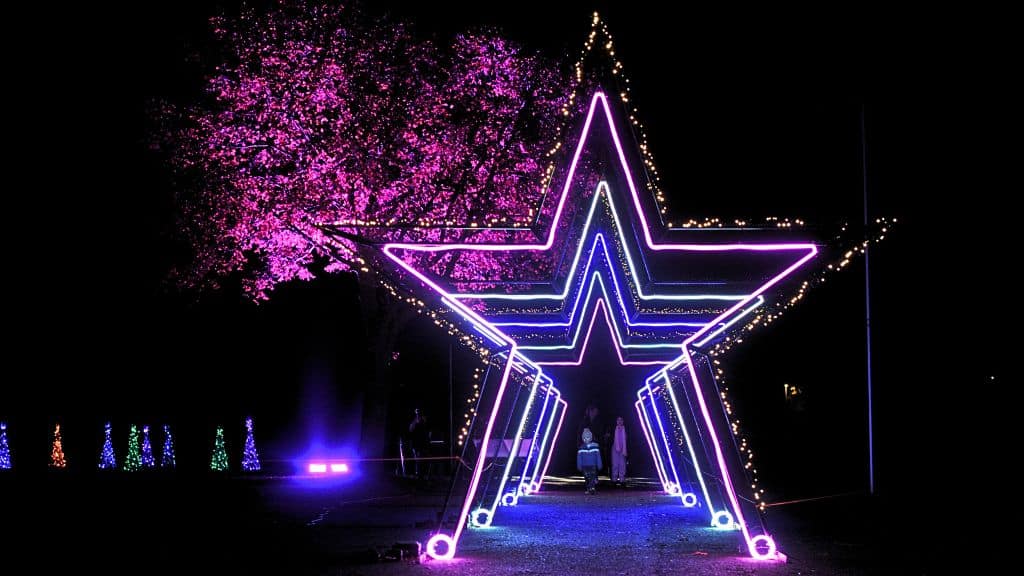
x=663 y=302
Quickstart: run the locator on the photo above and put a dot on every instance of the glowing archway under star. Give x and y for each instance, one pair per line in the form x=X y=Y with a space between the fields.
x=663 y=303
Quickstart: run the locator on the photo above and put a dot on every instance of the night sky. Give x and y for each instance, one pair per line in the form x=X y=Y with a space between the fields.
x=747 y=113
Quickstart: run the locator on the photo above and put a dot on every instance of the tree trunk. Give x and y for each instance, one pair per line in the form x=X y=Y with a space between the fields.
x=384 y=318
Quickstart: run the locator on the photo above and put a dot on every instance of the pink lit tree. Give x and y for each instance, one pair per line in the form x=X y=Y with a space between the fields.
x=324 y=131
x=318 y=118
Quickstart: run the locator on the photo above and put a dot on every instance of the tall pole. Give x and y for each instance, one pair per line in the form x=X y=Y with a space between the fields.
x=451 y=408
x=867 y=307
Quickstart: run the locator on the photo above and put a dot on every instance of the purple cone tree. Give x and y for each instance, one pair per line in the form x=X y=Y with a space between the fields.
x=167 y=455
x=250 y=457
x=5 y=450
x=147 y=449
x=108 y=460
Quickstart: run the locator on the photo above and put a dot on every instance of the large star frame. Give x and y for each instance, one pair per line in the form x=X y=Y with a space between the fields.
x=664 y=303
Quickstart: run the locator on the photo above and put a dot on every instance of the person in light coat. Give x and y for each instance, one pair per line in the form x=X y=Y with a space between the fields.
x=619 y=452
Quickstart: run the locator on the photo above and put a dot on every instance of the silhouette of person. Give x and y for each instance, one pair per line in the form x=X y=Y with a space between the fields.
x=592 y=421
x=419 y=443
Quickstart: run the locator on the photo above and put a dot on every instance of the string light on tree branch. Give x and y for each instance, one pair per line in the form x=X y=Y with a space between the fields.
x=772 y=312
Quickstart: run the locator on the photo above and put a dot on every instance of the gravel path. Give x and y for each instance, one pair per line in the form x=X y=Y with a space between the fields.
x=613 y=532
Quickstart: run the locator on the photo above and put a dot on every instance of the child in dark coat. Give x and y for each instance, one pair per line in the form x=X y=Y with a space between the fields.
x=588 y=460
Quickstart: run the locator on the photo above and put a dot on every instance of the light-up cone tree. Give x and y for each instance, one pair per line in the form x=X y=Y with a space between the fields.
x=57 y=451
x=108 y=461
x=167 y=455
x=133 y=461
x=147 y=450
x=5 y=450
x=250 y=458
x=219 y=457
